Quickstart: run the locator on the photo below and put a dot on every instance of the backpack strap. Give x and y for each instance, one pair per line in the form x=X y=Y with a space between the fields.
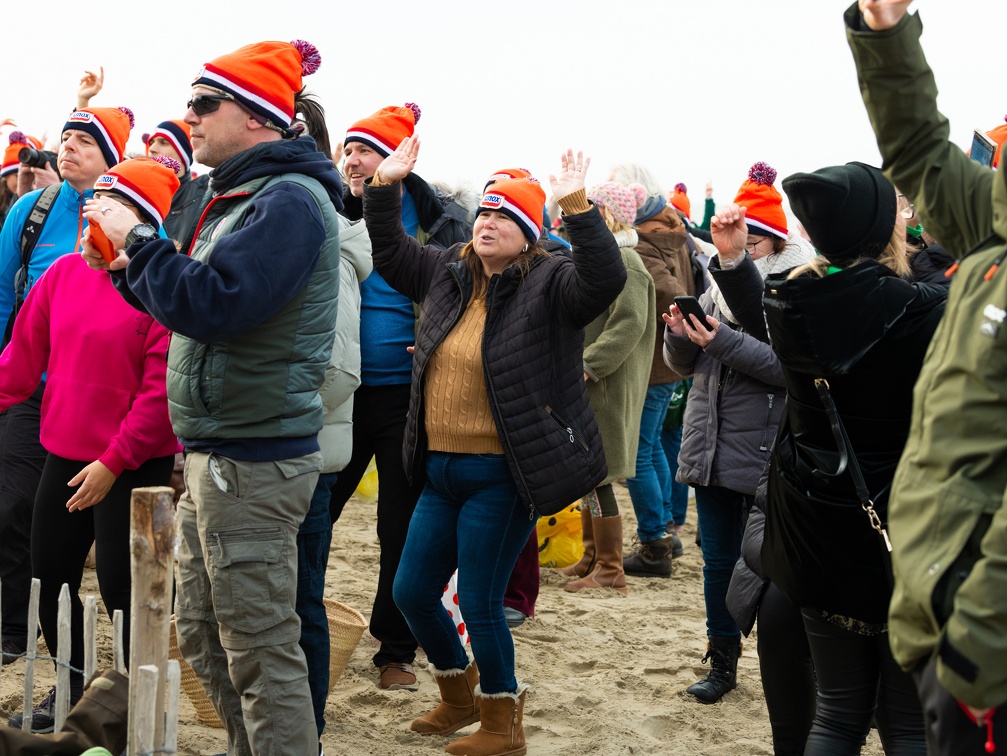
x=29 y=237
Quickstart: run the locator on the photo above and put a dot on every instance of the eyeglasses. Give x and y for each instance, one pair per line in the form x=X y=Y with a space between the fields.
x=751 y=246
x=205 y=104
x=906 y=208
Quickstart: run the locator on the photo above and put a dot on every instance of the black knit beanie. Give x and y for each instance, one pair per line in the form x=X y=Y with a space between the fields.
x=847 y=210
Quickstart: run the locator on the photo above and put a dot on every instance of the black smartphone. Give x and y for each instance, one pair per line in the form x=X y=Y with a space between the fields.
x=690 y=306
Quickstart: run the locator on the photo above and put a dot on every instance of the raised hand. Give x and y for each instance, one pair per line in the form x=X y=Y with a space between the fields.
x=90 y=85
x=400 y=163
x=729 y=231
x=573 y=171
x=883 y=14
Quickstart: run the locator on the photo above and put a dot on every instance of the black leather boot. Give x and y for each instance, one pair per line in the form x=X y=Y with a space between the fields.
x=723 y=675
x=651 y=559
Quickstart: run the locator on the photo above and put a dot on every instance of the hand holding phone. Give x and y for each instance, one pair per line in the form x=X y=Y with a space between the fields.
x=690 y=306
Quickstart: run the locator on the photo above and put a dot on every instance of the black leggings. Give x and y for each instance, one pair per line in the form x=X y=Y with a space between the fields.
x=606 y=500
x=788 y=676
x=859 y=680
x=61 y=539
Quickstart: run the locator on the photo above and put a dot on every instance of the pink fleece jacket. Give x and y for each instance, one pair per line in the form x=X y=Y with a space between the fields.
x=105 y=395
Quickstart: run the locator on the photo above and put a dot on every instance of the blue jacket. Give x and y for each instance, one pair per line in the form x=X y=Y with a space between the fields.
x=60 y=235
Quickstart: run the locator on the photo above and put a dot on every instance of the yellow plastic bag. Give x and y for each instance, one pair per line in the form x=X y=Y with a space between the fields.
x=560 y=539
x=367 y=488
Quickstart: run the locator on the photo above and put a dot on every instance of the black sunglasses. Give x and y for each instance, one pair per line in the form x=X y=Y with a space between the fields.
x=207 y=103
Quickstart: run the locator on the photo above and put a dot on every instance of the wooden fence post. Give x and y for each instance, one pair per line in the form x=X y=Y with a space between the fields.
x=118 y=662
x=30 y=652
x=172 y=689
x=144 y=713
x=62 y=659
x=90 y=637
x=151 y=544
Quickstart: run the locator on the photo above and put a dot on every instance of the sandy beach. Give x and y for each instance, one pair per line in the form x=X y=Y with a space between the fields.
x=607 y=673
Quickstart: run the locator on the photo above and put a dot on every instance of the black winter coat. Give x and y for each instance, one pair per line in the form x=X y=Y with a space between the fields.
x=532 y=348
x=866 y=331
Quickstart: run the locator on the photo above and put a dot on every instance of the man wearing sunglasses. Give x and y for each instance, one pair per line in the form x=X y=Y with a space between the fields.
x=253 y=311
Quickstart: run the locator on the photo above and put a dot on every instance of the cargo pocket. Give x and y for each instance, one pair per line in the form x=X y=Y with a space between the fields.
x=249 y=578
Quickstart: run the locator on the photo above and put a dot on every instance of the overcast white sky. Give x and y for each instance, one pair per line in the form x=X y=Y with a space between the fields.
x=694 y=90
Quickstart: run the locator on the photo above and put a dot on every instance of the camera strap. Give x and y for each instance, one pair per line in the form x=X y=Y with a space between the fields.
x=29 y=237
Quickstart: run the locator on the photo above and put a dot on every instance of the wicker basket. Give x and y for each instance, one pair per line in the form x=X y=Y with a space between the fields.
x=346 y=625
x=197 y=696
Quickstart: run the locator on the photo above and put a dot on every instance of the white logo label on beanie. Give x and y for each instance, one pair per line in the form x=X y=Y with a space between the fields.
x=106 y=182
x=492 y=201
x=81 y=116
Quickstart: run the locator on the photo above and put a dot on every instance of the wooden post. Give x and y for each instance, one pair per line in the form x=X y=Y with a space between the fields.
x=31 y=651
x=172 y=689
x=143 y=710
x=90 y=637
x=151 y=546
x=62 y=659
x=118 y=660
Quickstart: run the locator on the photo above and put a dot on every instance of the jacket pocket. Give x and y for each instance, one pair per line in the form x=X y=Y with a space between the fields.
x=251 y=587
x=197 y=366
x=574 y=436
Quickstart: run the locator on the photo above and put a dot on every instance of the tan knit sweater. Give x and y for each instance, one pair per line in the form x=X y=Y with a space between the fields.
x=458 y=416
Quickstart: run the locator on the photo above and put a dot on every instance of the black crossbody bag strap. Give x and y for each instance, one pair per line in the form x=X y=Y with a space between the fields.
x=848 y=460
x=29 y=237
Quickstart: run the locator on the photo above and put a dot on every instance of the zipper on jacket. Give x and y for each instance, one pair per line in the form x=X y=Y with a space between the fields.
x=495 y=406
x=765 y=429
x=574 y=436
x=206 y=210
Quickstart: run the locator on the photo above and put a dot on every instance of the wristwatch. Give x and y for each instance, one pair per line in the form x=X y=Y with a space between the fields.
x=141 y=232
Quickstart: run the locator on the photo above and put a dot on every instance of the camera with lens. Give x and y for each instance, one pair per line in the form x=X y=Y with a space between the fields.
x=37 y=158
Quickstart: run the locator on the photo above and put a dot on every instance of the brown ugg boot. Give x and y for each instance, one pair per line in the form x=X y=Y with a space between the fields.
x=459 y=704
x=501 y=732
x=607 y=572
x=586 y=563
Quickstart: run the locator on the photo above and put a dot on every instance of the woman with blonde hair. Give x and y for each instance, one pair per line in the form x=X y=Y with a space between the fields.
x=850 y=331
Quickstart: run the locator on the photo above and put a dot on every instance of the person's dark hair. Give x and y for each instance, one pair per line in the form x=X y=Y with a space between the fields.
x=475 y=266
x=6 y=198
x=311 y=113
x=779 y=244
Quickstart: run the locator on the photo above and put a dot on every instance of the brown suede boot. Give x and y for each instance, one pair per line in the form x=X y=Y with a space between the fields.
x=501 y=732
x=459 y=704
x=586 y=563
x=607 y=572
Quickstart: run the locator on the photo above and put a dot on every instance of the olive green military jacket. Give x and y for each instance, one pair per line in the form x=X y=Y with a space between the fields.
x=947 y=519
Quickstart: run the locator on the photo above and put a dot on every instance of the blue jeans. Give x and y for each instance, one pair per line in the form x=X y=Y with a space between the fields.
x=671 y=442
x=313 y=540
x=721 y=524
x=470 y=518
x=650 y=490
